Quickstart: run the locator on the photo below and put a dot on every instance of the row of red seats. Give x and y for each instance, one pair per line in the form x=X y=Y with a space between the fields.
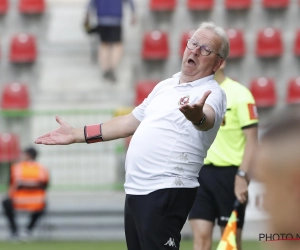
x=16 y=95
x=38 y=6
x=25 y=6
x=262 y=88
x=170 y=5
x=269 y=43
x=23 y=48
x=9 y=147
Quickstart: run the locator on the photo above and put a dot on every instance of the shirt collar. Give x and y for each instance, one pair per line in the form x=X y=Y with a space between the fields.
x=195 y=83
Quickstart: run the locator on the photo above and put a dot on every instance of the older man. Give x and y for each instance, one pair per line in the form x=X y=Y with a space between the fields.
x=172 y=131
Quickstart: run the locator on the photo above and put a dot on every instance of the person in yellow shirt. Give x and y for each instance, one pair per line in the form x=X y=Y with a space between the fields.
x=27 y=192
x=224 y=176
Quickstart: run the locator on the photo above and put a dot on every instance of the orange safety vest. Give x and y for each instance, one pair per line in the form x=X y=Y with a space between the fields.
x=31 y=177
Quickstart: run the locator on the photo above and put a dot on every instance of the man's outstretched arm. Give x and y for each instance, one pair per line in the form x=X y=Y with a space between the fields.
x=119 y=127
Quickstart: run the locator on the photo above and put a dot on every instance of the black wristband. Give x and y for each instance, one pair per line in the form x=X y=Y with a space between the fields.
x=202 y=120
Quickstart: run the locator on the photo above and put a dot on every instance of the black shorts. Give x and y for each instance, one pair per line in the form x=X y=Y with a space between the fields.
x=110 y=34
x=215 y=197
x=154 y=221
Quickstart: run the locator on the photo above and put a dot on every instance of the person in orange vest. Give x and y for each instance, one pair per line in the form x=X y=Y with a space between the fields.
x=27 y=191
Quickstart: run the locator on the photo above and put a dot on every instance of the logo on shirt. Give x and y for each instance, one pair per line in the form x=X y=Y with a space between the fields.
x=252 y=111
x=171 y=242
x=178 y=182
x=183 y=157
x=184 y=100
x=179 y=170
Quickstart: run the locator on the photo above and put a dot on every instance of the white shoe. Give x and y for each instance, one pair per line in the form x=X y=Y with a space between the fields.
x=26 y=236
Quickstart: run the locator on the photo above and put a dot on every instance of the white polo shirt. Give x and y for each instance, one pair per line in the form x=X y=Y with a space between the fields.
x=166 y=151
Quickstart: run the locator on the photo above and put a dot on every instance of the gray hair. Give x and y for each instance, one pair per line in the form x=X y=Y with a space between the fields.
x=219 y=31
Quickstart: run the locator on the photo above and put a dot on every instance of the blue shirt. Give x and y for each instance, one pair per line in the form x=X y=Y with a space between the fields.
x=109 y=12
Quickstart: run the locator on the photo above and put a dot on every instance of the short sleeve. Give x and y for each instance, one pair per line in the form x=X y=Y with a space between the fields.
x=246 y=109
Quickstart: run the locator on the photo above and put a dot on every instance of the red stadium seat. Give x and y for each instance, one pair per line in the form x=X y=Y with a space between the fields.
x=143 y=89
x=15 y=96
x=297 y=43
x=4 y=5
x=293 y=91
x=184 y=37
x=269 y=43
x=275 y=4
x=238 y=4
x=32 y=6
x=200 y=4
x=237 y=43
x=264 y=93
x=23 y=48
x=162 y=5
x=9 y=147
x=155 y=45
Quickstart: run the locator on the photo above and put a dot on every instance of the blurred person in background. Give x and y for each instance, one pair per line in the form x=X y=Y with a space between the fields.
x=27 y=192
x=223 y=178
x=278 y=169
x=109 y=15
x=172 y=130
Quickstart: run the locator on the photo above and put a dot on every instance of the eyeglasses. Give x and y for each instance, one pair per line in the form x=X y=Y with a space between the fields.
x=204 y=50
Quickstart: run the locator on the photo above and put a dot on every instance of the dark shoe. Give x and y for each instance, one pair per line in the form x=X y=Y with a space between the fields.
x=110 y=75
x=106 y=74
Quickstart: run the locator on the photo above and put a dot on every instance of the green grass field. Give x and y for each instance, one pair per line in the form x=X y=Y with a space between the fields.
x=90 y=245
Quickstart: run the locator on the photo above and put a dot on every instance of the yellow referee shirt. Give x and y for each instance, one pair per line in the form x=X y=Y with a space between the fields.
x=228 y=147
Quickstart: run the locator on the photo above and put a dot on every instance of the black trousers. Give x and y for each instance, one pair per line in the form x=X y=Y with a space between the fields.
x=10 y=213
x=155 y=220
x=215 y=197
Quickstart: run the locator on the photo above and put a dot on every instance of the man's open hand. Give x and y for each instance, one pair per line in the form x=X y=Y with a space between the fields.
x=61 y=136
x=194 y=112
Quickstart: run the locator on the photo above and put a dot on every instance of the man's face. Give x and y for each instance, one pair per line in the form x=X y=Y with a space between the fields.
x=194 y=65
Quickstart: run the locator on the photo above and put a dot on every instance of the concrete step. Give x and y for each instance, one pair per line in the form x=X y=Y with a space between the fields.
x=99 y=216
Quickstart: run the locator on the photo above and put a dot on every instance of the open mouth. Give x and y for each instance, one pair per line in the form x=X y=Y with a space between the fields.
x=191 y=62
